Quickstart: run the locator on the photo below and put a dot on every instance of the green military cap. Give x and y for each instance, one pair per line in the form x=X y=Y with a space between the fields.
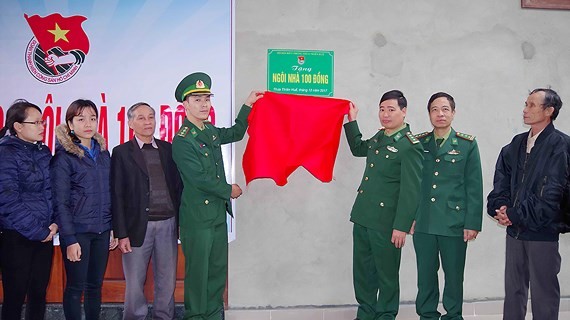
x=195 y=83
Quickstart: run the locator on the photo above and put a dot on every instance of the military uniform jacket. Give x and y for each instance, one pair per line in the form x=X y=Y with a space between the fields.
x=452 y=187
x=389 y=192
x=198 y=156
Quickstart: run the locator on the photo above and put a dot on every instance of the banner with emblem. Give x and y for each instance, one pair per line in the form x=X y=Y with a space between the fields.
x=116 y=53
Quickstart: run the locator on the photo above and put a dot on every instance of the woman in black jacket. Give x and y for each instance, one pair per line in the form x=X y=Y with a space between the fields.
x=82 y=203
x=26 y=215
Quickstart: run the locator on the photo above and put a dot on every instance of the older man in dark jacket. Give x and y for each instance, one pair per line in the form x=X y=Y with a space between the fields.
x=531 y=176
x=145 y=192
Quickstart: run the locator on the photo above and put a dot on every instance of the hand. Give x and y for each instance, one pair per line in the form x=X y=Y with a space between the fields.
x=236 y=191
x=502 y=217
x=113 y=242
x=413 y=228
x=469 y=235
x=52 y=231
x=52 y=60
x=352 y=112
x=125 y=245
x=398 y=238
x=253 y=97
x=74 y=252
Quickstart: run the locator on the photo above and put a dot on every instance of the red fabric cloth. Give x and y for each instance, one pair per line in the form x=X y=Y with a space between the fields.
x=74 y=36
x=287 y=131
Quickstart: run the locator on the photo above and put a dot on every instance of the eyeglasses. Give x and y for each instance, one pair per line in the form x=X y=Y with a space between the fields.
x=37 y=123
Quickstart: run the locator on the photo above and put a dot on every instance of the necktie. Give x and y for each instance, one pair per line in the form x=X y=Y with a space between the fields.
x=438 y=142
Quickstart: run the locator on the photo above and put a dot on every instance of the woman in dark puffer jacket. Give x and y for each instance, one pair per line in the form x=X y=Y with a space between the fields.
x=82 y=203
x=26 y=211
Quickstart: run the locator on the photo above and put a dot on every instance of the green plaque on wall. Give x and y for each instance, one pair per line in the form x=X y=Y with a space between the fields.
x=308 y=72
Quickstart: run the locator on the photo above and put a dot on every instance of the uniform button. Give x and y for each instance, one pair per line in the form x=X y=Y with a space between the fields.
x=216 y=163
x=218 y=177
x=360 y=191
x=381 y=204
x=371 y=165
x=206 y=201
x=437 y=160
x=456 y=207
x=432 y=199
x=376 y=151
x=147 y=209
x=436 y=173
x=452 y=160
x=387 y=156
x=369 y=147
x=365 y=178
x=206 y=154
x=434 y=186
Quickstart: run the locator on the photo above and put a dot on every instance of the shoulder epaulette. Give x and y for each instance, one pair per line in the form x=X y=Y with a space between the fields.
x=465 y=136
x=183 y=132
x=422 y=135
x=411 y=137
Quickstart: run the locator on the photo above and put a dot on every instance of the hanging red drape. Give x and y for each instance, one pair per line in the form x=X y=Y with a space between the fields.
x=288 y=131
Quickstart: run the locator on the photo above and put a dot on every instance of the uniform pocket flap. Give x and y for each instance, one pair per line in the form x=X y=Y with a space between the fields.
x=389 y=203
x=456 y=205
x=453 y=157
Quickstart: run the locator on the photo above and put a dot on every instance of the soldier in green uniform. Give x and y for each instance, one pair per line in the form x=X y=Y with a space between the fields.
x=385 y=206
x=206 y=196
x=450 y=210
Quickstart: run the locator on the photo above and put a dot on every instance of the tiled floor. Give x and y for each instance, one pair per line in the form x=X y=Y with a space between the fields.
x=483 y=310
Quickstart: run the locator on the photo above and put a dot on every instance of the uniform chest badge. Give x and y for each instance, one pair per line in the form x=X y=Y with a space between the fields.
x=214 y=138
x=391 y=149
x=453 y=152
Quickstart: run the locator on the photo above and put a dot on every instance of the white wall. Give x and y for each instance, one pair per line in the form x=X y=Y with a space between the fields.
x=294 y=244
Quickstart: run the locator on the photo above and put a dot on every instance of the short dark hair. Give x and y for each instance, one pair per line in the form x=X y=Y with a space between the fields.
x=18 y=112
x=131 y=111
x=442 y=95
x=75 y=109
x=397 y=95
x=551 y=99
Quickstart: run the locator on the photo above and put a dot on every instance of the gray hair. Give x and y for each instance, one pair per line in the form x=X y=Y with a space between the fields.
x=131 y=111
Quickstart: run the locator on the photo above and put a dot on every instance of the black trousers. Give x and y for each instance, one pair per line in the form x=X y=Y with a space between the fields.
x=85 y=276
x=26 y=268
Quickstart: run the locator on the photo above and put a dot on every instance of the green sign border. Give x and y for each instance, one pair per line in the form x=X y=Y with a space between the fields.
x=315 y=76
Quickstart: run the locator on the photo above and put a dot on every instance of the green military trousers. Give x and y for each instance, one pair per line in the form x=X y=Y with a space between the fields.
x=376 y=266
x=452 y=250
x=206 y=257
